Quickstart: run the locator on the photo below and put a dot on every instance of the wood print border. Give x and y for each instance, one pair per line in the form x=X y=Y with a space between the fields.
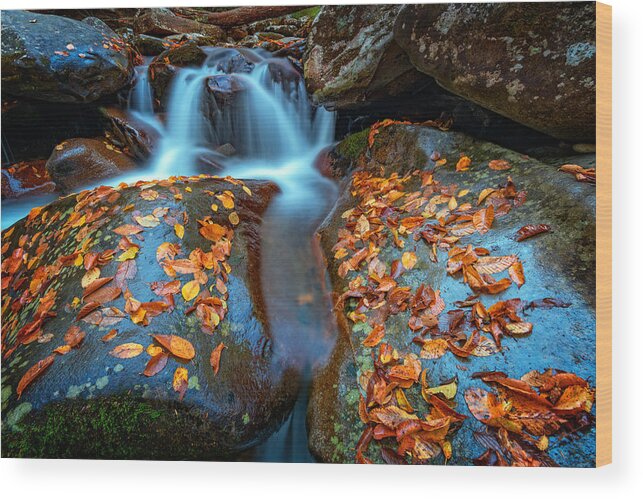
x=604 y=234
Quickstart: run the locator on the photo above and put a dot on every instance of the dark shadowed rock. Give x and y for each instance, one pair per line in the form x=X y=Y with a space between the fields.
x=137 y=136
x=165 y=66
x=92 y=404
x=533 y=63
x=151 y=45
x=559 y=264
x=57 y=59
x=351 y=56
x=77 y=162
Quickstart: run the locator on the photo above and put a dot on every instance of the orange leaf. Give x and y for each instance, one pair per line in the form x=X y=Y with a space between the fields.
x=463 y=164
x=483 y=219
x=34 y=372
x=215 y=357
x=375 y=336
x=127 y=351
x=499 y=164
x=176 y=345
x=213 y=232
x=180 y=381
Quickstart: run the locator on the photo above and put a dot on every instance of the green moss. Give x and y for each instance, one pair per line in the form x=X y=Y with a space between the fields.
x=112 y=428
x=308 y=12
x=353 y=145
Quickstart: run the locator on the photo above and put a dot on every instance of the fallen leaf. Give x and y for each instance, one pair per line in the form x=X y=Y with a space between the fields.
x=531 y=230
x=179 y=230
x=176 y=345
x=409 y=259
x=33 y=373
x=180 y=381
x=463 y=164
x=156 y=364
x=190 y=290
x=499 y=164
x=215 y=357
x=127 y=351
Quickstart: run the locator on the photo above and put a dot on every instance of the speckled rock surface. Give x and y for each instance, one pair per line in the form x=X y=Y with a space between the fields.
x=351 y=56
x=56 y=59
x=90 y=404
x=560 y=264
x=533 y=63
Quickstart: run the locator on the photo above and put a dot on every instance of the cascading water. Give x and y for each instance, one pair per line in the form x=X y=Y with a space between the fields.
x=277 y=135
x=258 y=105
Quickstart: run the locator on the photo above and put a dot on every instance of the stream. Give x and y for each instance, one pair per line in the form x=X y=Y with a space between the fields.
x=276 y=134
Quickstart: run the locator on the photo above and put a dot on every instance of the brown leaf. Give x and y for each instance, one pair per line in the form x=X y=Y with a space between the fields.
x=34 y=372
x=531 y=230
x=74 y=336
x=517 y=274
x=213 y=232
x=156 y=364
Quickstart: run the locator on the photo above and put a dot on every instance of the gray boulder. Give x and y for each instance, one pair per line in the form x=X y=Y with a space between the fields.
x=534 y=63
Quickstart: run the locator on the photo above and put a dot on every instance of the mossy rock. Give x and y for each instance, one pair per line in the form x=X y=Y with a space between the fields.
x=92 y=404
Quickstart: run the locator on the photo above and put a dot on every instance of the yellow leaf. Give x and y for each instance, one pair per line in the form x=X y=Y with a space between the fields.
x=247 y=190
x=179 y=230
x=453 y=203
x=409 y=259
x=79 y=260
x=153 y=350
x=190 y=290
x=214 y=207
x=128 y=254
x=90 y=276
x=234 y=218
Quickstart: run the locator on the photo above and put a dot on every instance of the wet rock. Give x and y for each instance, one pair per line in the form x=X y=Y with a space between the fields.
x=26 y=178
x=90 y=404
x=130 y=133
x=226 y=149
x=56 y=59
x=165 y=66
x=197 y=38
x=351 y=56
x=534 y=64
x=161 y=22
x=151 y=45
x=224 y=90
x=77 y=162
x=559 y=264
x=236 y=61
x=99 y=25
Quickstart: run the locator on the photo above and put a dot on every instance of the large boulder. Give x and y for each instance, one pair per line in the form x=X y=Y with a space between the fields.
x=162 y=22
x=77 y=162
x=534 y=63
x=352 y=57
x=58 y=59
x=400 y=196
x=99 y=396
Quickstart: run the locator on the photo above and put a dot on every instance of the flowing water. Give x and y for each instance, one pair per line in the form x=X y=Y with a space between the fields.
x=276 y=135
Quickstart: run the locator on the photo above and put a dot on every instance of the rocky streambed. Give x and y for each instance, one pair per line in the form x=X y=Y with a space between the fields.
x=395 y=271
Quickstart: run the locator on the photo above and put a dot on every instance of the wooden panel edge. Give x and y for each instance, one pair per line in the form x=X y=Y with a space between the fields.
x=603 y=234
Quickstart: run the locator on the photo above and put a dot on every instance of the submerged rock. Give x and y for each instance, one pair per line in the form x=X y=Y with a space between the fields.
x=76 y=163
x=57 y=59
x=559 y=264
x=533 y=63
x=90 y=403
